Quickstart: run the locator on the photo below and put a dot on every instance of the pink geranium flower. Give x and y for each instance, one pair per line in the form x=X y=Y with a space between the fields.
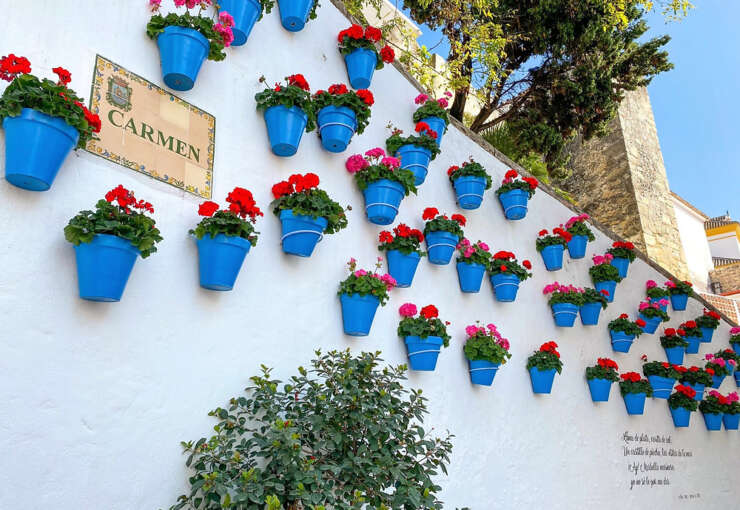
x=407 y=310
x=421 y=99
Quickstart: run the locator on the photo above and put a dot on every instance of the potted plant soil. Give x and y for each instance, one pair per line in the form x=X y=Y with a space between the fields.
x=600 y=378
x=592 y=304
x=674 y=344
x=565 y=301
x=414 y=151
x=662 y=377
x=514 y=194
x=107 y=242
x=382 y=182
x=697 y=378
x=340 y=113
x=306 y=213
x=442 y=234
x=624 y=331
x=186 y=40
x=634 y=390
x=224 y=237
x=402 y=251
x=604 y=275
x=359 y=47
x=360 y=294
x=682 y=404
x=708 y=322
x=542 y=366
x=288 y=112
x=294 y=14
x=472 y=261
x=653 y=315
x=552 y=247
x=486 y=350
x=679 y=293
x=581 y=235
x=424 y=335
x=506 y=274
x=433 y=112
x=470 y=181
x=43 y=121
x=624 y=254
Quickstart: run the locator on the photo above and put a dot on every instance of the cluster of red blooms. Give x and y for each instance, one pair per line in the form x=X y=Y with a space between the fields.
x=550 y=347
x=678 y=368
x=567 y=236
x=429 y=312
x=241 y=202
x=639 y=322
x=631 y=377
x=402 y=230
x=507 y=255
x=424 y=129
x=125 y=199
x=513 y=174
x=431 y=213
x=452 y=169
x=674 y=332
x=689 y=325
x=686 y=390
x=296 y=80
x=371 y=34
x=607 y=363
x=295 y=184
x=64 y=76
x=712 y=314
x=627 y=245
x=339 y=89
x=11 y=66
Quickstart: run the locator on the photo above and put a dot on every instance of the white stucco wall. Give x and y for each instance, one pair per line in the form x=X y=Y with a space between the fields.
x=95 y=398
x=725 y=245
x=695 y=244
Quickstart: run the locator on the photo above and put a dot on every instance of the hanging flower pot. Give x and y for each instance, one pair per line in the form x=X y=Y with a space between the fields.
x=694 y=343
x=679 y=293
x=661 y=302
x=682 y=404
x=662 y=386
x=306 y=213
x=360 y=294
x=506 y=274
x=403 y=252
x=486 y=350
x=624 y=254
x=565 y=300
x=581 y=235
x=692 y=334
x=361 y=56
x=224 y=238
x=470 y=182
x=635 y=403
x=552 y=247
x=605 y=276
x=698 y=388
x=245 y=14
x=442 y=234
x=652 y=315
x=712 y=408
x=662 y=377
x=424 y=335
x=564 y=314
x=735 y=339
x=656 y=295
x=294 y=14
x=621 y=342
x=634 y=390
x=719 y=367
x=600 y=378
x=542 y=366
x=342 y=112
x=382 y=182
x=731 y=421
x=472 y=260
x=674 y=344
x=42 y=125
x=105 y=260
x=433 y=112
x=681 y=417
x=707 y=323
x=514 y=194
x=288 y=113
x=624 y=331
x=698 y=379
x=593 y=302
x=415 y=151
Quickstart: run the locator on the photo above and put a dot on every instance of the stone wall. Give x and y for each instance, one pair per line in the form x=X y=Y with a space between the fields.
x=727 y=276
x=621 y=181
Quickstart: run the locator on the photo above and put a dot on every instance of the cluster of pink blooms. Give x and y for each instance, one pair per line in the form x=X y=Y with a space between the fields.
x=602 y=259
x=224 y=28
x=489 y=330
x=192 y=3
x=735 y=331
x=408 y=310
x=719 y=361
x=469 y=249
x=670 y=284
x=576 y=219
x=565 y=289
x=442 y=101
x=650 y=284
x=377 y=155
x=647 y=304
x=730 y=398
x=389 y=281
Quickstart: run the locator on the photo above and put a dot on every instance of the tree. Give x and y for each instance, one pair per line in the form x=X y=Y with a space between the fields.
x=548 y=69
x=344 y=435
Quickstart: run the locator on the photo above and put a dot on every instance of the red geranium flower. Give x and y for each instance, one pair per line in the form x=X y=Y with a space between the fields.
x=64 y=76
x=527 y=264
x=533 y=183
x=338 y=89
x=366 y=96
x=11 y=66
x=402 y=230
x=429 y=213
x=503 y=268
x=681 y=332
x=670 y=332
x=604 y=292
x=511 y=174
x=299 y=81
x=207 y=208
x=452 y=169
x=543 y=232
x=641 y=323
x=387 y=54
x=429 y=312
x=355 y=31
x=373 y=34
x=710 y=371
x=459 y=218
x=385 y=237
x=422 y=127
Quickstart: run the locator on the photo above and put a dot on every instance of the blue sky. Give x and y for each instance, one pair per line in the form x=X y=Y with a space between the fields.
x=696 y=105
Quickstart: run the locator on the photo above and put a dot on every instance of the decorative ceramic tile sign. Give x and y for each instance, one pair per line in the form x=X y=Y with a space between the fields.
x=149 y=130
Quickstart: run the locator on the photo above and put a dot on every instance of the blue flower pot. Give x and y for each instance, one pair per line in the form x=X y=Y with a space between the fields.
x=717 y=381
x=731 y=421
x=590 y=314
x=301 y=233
x=541 y=379
x=552 y=256
x=438 y=125
x=694 y=343
x=651 y=324
x=336 y=124
x=662 y=386
x=360 y=67
x=382 y=199
x=599 y=389
x=103 y=267
x=469 y=191
x=357 y=313
x=181 y=53
x=245 y=14
x=482 y=371
x=220 y=259
x=737 y=378
x=681 y=417
x=402 y=267
x=470 y=276
x=440 y=246
x=736 y=348
x=505 y=287
x=679 y=301
x=675 y=355
x=285 y=127
x=610 y=286
x=621 y=342
x=706 y=335
x=622 y=266
x=423 y=352
x=514 y=203
x=698 y=388
x=564 y=314
x=635 y=403
x=713 y=421
x=294 y=13
x=662 y=307
x=36 y=145
x=416 y=159
x=577 y=247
